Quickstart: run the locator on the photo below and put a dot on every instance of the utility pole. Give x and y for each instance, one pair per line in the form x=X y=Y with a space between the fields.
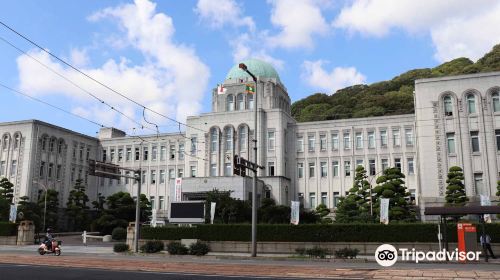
x=138 y=176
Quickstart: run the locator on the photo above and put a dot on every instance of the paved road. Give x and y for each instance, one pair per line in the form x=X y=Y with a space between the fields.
x=8 y=271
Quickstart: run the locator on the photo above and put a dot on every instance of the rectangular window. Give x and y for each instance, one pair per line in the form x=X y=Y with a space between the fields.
x=162 y=176
x=104 y=155
x=311 y=169
x=396 y=138
x=450 y=141
x=322 y=142
x=335 y=168
x=127 y=173
x=143 y=179
x=397 y=163
x=194 y=145
x=154 y=151
x=359 y=140
x=474 y=138
x=81 y=153
x=172 y=151
x=51 y=167
x=171 y=174
x=128 y=156
x=383 y=138
x=58 y=172
x=312 y=200
x=152 y=201
x=163 y=153
x=310 y=143
x=335 y=141
x=271 y=140
x=371 y=139
x=42 y=169
x=385 y=164
x=153 y=177
x=87 y=156
x=300 y=169
x=324 y=198
x=227 y=169
x=478 y=184
x=193 y=171
x=161 y=202
x=75 y=147
x=137 y=154
x=347 y=168
x=372 y=170
x=411 y=166
x=180 y=173
x=112 y=155
x=120 y=154
x=409 y=136
x=359 y=162
x=145 y=153
x=2 y=168
x=300 y=144
x=347 y=141
x=336 y=199
x=181 y=151
x=497 y=136
x=213 y=169
x=324 y=169
x=270 y=168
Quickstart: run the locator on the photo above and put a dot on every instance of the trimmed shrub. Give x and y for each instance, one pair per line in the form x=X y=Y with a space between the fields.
x=177 y=248
x=120 y=247
x=119 y=233
x=8 y=229
x=300 y=251
x=199 y=249
x=153 y=246
x=346 y=253
x=317 y=252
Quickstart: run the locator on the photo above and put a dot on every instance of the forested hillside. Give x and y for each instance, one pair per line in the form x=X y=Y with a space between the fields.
x=391 y=97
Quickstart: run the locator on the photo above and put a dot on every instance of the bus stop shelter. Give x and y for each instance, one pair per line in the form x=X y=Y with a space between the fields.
x=454 y=211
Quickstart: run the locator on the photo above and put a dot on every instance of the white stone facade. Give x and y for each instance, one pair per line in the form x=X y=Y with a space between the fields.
x=313 y=161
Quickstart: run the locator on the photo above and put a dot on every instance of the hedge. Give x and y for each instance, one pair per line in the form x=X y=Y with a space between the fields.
x=415 y=232
x=8 y=229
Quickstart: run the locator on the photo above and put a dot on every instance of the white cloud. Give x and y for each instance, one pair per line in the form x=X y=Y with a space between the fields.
x=457 y=27
x=299 y=21
x=249 y=45
x=339 y=77
x=79 y=57
x=218 y=13
x=173 y=84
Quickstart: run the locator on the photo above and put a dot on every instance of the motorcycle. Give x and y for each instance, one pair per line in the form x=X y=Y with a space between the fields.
x=55 y=249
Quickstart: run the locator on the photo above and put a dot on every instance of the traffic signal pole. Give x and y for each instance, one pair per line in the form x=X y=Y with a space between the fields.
x=137 y=210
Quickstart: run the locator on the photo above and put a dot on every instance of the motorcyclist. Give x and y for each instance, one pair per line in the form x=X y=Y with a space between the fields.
x=48 y=239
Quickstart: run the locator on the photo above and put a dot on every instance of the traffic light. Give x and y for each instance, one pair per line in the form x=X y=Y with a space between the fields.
x=236 y=165
x=92 y=167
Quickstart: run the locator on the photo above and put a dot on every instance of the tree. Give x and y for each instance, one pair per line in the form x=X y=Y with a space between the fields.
x=27 y=210
x=6 y=195
x=98 y=204
x=51 y=216
x=391 y=185
x=323 y=212
x=455 y=191
x=498 y=194
x=270 y=213
x=355 y=207
x=76 y=207
x=227 y=208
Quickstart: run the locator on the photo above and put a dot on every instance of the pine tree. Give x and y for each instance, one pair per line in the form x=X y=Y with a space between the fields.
x=355 y=207
x=6 y=195
x=51 y=216
x=76 y=207
x=455 y=191
x=391 y=185
x=27 y=210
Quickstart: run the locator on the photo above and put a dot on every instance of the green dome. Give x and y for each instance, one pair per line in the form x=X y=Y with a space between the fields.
x=258 y=67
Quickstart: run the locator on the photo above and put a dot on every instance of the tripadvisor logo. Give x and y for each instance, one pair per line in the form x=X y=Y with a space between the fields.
x=387 y=255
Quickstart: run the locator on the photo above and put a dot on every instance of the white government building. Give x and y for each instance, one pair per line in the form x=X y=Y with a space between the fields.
x=456 y=122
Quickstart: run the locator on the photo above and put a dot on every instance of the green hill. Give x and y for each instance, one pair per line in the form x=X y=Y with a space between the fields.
x=391 y=97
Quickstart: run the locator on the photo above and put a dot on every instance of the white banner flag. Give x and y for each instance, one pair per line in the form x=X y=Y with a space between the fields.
x=295 y=212
x=178 y=189
x=212 y=212
x=153 y=218
x=384 y=211
x=485 y=201
x=13 y=213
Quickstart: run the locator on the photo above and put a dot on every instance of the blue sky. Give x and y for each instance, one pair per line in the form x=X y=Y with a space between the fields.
x=170 y=54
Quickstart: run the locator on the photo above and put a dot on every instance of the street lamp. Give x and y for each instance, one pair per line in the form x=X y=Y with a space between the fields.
x=45 y=202
x=243 y=67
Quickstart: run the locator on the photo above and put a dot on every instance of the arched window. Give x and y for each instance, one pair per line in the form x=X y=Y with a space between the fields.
x=214 y=139
x=471 y=103
x=448 y=106
x=44 y=143
x=496 y=101
x=250 y=101
x=17 y=141
x=242 y=138
x=5 y=142
x=240 y=99
x=52 y=144
x=228 y=134
x=60 y=146
x=230 y=103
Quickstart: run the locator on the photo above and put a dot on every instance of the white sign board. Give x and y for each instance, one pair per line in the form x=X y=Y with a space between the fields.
x=295 y=212
x=178 y=189
x=384 y=211
x=485 y=201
